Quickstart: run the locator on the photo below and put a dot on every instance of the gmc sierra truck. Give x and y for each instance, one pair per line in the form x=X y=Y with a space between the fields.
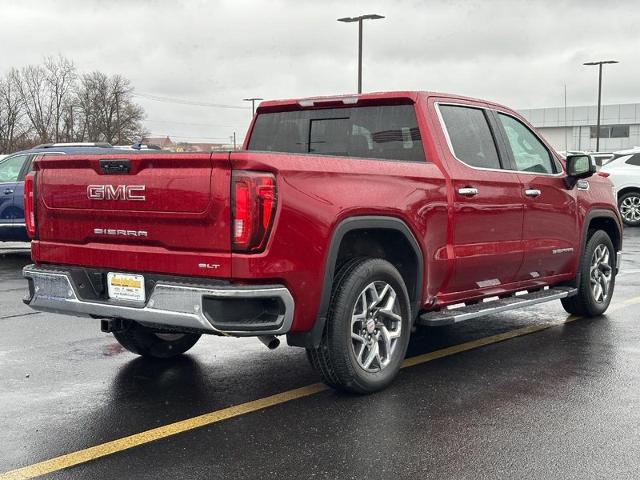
x=343 y=223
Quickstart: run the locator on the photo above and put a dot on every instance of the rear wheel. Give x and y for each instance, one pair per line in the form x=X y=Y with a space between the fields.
x=597 y=277
x=629 y=206
x=367 y=330
x=148 y=342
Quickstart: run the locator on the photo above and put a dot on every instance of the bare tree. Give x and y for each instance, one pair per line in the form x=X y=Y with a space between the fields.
x=31 y=84
x=45 y=91
x=107 y=108
x=13 y=128
x=49 y=102
x=60 y=78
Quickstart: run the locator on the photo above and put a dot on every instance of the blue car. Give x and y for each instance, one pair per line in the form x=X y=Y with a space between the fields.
x=14 y=168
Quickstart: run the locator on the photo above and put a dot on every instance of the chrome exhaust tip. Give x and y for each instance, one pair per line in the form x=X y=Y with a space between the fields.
x=270 y=341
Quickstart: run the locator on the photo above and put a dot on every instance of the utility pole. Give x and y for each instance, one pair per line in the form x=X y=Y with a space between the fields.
x=599 y=63
x=234 y=140
x=360 y=19
x=253 y=103
x=566 y=122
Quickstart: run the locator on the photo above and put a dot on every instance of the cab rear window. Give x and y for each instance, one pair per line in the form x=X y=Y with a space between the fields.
x=388 y=132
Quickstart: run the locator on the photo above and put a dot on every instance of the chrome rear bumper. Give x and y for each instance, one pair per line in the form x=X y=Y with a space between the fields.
x=174 y=306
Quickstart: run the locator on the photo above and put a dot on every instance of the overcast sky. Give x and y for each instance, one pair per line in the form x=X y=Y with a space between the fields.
x=520 y=53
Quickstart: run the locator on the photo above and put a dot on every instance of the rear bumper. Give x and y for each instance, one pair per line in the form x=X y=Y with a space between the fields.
x=224 y=309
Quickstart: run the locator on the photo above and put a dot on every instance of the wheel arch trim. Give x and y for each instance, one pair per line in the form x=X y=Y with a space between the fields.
x=311 y=339
x=588 y=218
x=601 y=213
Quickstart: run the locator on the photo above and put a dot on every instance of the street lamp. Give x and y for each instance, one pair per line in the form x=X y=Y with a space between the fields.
x=253 y=103
x=360 y=19
x=599 y=63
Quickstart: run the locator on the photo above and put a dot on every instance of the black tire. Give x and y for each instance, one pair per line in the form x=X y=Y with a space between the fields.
x=336 y=358
x=629 y=203
x=585 y=303
x=152 y=343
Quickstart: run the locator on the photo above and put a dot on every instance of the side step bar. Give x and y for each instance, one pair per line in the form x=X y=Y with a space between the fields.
x=447 y=316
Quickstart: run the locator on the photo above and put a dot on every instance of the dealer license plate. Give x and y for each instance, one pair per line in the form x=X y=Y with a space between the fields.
x=123 y=286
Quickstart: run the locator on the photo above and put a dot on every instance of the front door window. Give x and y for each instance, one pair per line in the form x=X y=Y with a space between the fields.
x=11 y=167
x=529 y=153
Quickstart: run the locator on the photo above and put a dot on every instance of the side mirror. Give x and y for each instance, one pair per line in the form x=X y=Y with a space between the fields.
x=579 y=166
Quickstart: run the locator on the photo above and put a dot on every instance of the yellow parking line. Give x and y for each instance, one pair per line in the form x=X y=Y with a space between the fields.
x=121 y=444
x=125 y=443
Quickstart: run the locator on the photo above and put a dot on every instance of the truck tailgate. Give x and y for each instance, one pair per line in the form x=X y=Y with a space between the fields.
x=148 y=212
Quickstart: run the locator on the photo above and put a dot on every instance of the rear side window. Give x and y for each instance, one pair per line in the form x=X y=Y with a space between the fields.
x=470 y=136
x=634 y=160
x=387 y=132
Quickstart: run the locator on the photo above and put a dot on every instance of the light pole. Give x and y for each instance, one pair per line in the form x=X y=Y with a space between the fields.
x=360 y=19
x=253 y=103
x=599 y=63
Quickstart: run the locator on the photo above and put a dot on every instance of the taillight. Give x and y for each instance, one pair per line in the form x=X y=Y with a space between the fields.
x=253 y=207
x=604 y=174
x=29 y=204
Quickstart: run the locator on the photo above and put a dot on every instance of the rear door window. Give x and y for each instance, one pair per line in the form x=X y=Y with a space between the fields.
x=388 y=132
x=470 y=137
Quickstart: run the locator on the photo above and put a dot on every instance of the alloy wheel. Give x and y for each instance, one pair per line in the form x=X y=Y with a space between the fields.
x=600 y=273
x=376 y=326
x=630 y=209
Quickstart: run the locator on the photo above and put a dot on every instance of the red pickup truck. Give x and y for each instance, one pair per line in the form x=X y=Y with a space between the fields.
x=343 y=223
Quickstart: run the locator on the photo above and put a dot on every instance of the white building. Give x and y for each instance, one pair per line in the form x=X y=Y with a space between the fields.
x=619 y=126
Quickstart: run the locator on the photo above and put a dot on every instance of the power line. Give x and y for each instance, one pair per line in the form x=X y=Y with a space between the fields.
x=196 y=124
x=182 y=136
x=184 y=101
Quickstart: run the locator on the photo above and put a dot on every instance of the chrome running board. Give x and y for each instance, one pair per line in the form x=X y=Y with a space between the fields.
x=447 y=316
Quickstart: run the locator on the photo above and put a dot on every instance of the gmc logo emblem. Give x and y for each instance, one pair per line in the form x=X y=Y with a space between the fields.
x=116 y=192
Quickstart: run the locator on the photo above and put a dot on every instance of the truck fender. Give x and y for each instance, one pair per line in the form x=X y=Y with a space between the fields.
x=589 y=217
x=312 y=338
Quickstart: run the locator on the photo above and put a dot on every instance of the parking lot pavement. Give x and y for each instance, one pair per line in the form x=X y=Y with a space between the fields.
x=561 y=402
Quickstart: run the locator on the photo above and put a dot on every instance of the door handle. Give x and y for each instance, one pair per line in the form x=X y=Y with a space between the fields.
x=8 y=191
x=532 y=192
x=468 y=191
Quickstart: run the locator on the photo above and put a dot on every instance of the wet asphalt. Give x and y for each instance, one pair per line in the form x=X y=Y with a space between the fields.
x=559 y=403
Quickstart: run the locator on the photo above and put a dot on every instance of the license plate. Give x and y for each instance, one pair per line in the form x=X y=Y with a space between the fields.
x=123 y=286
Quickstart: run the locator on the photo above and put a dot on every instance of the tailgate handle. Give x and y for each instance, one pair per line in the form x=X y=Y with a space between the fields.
x=113 y=167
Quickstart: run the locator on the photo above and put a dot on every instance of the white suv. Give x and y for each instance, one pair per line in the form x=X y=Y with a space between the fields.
x=624 y=172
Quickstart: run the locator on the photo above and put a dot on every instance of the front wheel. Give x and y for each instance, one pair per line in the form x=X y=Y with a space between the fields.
x=367 y=331
x=597 y=277
x=152 y=343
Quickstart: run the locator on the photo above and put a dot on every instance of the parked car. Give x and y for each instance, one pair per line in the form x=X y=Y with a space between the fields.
x=600 y=158
x=137 y=147
x=629 y=151
x=343 y=223
x=624 y=172
x=14 y=168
